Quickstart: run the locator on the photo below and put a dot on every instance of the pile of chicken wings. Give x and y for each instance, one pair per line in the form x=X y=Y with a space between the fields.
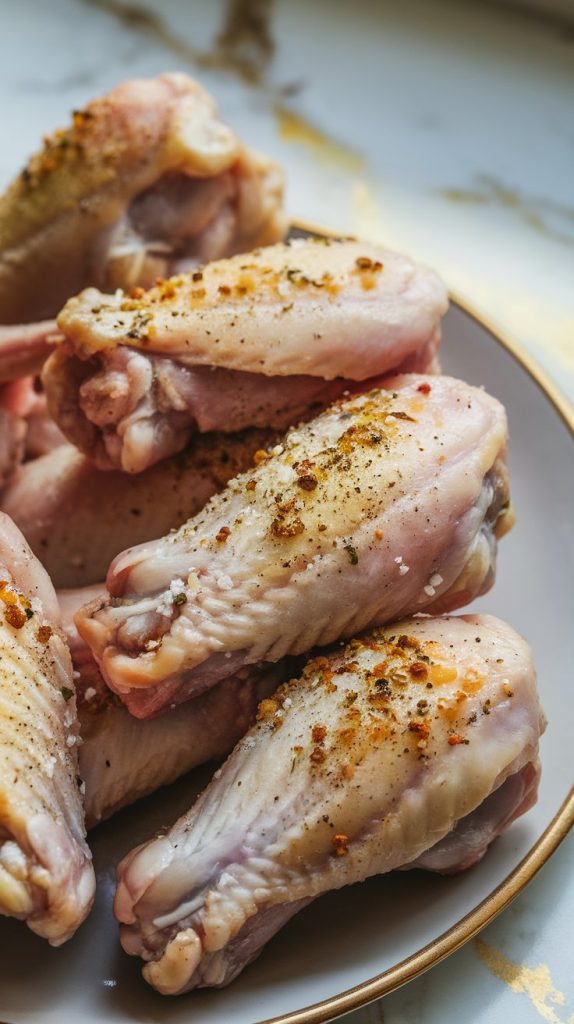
x=240 y=504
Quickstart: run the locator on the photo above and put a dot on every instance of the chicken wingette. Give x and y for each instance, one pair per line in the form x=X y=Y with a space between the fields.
x=413 y=746
x=263 y=339
x=389 y=503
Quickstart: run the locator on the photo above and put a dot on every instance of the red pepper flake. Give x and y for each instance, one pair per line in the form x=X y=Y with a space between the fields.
x=44 y=633
x=136 y=293
x=15 y=616
x=318 y=733
x=340 y=842
x=317 y=756
x=455 y=740
x=260 y=456
x=222 y=535
x=418 y=670
x=421 y=728
x=425 y=389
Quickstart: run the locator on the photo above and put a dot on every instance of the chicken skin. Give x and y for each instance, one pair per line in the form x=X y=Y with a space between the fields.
x=76 y=518
x=413 y=746
x=263 y=339
x=24 y=349
x=387 y=504
x=46 y=874
x=147 y=181
x=122 y=759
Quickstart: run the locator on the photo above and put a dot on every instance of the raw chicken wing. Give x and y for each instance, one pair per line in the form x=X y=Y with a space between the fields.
x=147 y=181
x=388 y=504
x=263 y=339
x=46 y=875
x=413 y=746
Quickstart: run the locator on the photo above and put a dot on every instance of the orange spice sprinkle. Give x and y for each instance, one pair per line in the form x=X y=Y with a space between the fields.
x=340 y=842
x=318 y=733
x=222 y=535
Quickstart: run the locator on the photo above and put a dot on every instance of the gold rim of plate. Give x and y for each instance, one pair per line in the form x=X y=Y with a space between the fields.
x=524 y=872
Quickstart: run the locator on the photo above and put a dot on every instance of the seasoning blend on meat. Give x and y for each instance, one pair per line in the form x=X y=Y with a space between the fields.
x=388 y=504
x=413 y=746
x=263 y=339
x=146 y=182
x=46 y=874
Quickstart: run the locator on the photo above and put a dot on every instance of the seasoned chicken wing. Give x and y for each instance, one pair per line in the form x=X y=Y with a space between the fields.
x=147 y=181
x=77 y=518
x=388 y=504
x=46 y=875
x=263 y=339
x=413 y=746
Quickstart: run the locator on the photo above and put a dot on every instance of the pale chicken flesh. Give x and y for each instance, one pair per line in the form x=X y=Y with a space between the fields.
x=46 y=874
x=122 y=759
x=77 y=518
x=387 y=504
x=264 y=339
x=146 y=182
x=414 y=746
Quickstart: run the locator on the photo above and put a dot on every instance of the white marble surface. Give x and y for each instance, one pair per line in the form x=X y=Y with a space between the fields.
x=443 y=129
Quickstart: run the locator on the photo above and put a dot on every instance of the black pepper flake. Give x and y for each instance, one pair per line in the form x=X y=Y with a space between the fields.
x=66 y=692
x=352 y=553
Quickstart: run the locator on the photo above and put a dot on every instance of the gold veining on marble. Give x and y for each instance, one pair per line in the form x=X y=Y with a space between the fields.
x=535 y=982
x=244 y=44
x=141 y=19
x=326 y=149
x=554 y=220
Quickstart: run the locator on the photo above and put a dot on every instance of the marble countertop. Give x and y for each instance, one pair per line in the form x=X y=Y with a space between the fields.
x=442 y=129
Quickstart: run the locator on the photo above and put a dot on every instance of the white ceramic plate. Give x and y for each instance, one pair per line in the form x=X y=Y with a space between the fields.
x=352 y=946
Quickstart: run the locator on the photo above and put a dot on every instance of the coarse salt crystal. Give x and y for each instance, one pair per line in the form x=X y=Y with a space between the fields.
x=399 y=559
x=287 y=703
x=429 y=590
x=278 y=449
x=90 y=693
x=223 y=582
x=71 y=740
x=75 y=674
x=403 y=569
x=436 y=580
